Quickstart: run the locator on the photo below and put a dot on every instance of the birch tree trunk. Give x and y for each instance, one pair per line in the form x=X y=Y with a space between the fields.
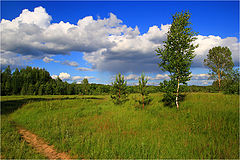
x=219 y=81
x=177 y=94
x=143 y=101
x=119 y=93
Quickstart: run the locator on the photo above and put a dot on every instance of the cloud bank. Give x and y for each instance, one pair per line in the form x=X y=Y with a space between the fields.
x=107 y=44
x=70 y=63
x=68 y=77
x=165 y=77
x=84 y=69
x=197 y=79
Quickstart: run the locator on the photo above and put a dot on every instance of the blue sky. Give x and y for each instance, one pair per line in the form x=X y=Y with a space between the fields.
x=109 y=41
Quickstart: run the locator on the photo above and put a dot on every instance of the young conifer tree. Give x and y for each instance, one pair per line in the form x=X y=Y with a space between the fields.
x=177 y=52
x=119 y=90
x=142 y=89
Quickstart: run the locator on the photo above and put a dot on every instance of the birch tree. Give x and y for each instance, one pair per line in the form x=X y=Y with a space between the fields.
x=178 y=51
x=219 y=61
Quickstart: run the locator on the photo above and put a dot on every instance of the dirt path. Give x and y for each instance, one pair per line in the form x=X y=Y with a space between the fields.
x=41 y=146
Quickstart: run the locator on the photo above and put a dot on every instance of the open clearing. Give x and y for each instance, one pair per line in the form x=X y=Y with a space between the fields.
x=206 y=126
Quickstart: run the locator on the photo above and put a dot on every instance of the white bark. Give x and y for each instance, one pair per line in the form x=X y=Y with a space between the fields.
x=177 y=95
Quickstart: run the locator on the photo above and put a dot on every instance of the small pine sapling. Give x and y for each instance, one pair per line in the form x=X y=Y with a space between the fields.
x=143 y=91
x=119 y=90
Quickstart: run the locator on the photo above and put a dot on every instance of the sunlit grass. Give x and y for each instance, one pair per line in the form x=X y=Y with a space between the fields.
x=206 y=126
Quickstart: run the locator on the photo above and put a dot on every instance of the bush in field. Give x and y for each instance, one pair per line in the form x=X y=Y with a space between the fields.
x=169 y=87
x=232 y=82
x=229 y=84
x=119 y=90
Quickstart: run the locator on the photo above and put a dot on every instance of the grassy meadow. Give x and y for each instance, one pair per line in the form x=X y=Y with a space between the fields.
x=206 y=126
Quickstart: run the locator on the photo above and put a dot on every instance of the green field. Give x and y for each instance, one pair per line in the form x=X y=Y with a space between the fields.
x=206 y=126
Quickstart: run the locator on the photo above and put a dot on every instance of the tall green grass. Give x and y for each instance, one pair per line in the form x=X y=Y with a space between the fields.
x=13 y=146
x=206 y=126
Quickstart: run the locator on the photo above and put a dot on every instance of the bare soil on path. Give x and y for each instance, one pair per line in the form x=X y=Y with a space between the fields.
x=41 y=146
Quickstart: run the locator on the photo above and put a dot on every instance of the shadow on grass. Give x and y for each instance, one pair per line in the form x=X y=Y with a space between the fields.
x=10 y=106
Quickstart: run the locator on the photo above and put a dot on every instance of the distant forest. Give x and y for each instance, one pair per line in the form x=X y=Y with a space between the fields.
x=36 y=81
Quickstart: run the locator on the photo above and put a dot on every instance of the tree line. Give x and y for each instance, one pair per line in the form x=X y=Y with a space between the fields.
x=37 y=81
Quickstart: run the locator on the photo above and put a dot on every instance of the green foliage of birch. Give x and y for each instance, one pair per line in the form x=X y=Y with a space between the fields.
x=119 y=90
x=177 y=52
x=169 y=88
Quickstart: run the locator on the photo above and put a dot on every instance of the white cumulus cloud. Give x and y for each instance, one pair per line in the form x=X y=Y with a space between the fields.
x=161 y=77
x=107 y=44
x=208 y=42
x=67 y=76
x=131 y=77
x=75 y=78
x=199 y=76
x=84 y=69
x=54 y=76
x=64 y=76
x=70 y=63
x=47 y=59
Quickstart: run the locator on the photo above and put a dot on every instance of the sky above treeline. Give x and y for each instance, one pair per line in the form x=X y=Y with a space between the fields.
x=97 y=40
